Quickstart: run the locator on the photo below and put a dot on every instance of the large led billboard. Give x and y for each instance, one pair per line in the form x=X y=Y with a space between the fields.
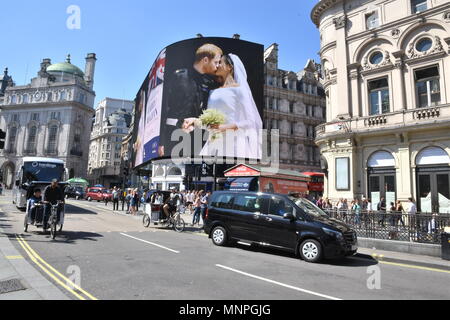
x=203 y=97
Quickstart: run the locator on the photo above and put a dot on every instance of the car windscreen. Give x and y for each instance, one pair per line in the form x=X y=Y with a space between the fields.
x=308 y=207
x=42 y=171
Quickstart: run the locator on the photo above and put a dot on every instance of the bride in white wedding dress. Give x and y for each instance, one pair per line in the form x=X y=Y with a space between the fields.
x=240 y=136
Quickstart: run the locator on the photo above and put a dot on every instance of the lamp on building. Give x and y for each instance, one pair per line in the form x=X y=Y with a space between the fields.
x=236 y=36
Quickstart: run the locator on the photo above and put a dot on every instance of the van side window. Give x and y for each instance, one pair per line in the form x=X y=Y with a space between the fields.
x=223 y=201
x=251 y=204
x=279 y=207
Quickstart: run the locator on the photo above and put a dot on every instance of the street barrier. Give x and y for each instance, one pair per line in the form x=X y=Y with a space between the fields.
x=420 y=227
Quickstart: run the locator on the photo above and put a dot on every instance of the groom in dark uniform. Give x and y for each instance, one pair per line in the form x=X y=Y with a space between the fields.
x=189 y=95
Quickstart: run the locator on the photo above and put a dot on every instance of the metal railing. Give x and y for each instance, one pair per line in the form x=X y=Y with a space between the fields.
x=420 y=227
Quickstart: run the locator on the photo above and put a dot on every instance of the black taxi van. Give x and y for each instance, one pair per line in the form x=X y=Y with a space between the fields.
x=281 y=221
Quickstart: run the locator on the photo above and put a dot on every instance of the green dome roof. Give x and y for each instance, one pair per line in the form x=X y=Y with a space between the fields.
x=65 y=67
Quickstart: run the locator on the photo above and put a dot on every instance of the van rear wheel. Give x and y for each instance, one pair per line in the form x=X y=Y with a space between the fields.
x=311 y=251
x=219 y=236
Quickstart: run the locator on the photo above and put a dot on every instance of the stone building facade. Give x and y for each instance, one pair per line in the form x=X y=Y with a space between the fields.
x=50 y=117
x=111 y=125
x=294 y=104
x=388 y=100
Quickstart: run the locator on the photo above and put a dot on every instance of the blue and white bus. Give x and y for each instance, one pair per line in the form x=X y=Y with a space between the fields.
x=35 y=173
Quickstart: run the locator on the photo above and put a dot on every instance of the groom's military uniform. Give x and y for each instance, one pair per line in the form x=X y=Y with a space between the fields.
x=187 y=97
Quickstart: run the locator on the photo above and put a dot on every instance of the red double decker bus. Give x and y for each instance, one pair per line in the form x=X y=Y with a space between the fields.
x=316 y=185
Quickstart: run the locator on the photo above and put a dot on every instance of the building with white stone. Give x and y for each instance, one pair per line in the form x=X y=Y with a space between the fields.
x=295 y=105
x=387 y=84
x=49 y=117
x=111 y=125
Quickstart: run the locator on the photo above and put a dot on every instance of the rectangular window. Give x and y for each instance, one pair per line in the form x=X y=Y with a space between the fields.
x=372 y=20
x=342 y=173
x=379 y=96
x=418 y=6
x=55 y=116
x=428 y=87
x=35 y=117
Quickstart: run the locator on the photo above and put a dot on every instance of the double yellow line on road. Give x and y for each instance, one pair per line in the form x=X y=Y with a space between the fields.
x=53 y=273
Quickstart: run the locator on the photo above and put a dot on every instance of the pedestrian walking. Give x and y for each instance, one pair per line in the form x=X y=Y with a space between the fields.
x=204 y=206
x=399 y=210
x=197 y=204
x=115 y=195
x=356 y=208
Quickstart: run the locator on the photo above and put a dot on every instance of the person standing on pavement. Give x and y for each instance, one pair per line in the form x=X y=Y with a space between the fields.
x=204 y=206
x=399 y=210
x=115 y=195
x=128 y=200
x=197 y=204
x=381 y=208
x=412 y=212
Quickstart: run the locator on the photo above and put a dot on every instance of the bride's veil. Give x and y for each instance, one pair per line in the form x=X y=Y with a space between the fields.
x=250 y=108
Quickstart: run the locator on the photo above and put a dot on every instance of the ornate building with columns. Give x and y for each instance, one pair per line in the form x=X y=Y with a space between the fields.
x=388 y=100
x=49 y=117
x=111 y=125
x=294 y=104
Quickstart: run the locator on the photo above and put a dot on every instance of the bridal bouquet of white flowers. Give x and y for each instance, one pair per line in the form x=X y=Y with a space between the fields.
x=211 y=117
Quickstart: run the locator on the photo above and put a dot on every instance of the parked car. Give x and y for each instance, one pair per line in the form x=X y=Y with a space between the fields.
x=280 y=221
x=95 y=194
x=74 y=192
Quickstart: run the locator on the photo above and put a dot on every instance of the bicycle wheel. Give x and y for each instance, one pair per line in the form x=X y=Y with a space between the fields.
x=25 y=224
x=53 y=229
x=179 y=224
x=146 y=220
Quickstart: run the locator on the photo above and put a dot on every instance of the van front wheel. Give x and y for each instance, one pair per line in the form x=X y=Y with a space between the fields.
x=311 y=251
x=219 y=236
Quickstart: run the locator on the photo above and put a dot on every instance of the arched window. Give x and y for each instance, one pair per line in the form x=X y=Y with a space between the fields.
x=432 y=156
x=159 y=172
x=31 y=146
x=175 y=172
x=381 y=159
x=381 y=178
x=433 y=180
x=52 y=138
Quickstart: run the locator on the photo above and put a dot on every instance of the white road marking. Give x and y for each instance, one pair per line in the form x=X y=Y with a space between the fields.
x=278 y=283
x=148 y=242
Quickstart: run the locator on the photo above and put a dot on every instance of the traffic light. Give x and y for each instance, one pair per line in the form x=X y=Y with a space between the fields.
x=2 y=139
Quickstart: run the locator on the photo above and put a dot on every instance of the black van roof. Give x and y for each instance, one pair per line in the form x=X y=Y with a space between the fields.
x=252 y=193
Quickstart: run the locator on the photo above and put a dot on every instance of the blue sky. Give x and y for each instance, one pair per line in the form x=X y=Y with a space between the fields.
x=128 y=35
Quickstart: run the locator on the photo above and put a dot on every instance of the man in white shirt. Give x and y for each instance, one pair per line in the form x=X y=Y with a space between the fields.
x=412 y=211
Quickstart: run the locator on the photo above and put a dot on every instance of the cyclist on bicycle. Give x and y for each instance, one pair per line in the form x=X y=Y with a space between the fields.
x=52 y=194
x=171 y=203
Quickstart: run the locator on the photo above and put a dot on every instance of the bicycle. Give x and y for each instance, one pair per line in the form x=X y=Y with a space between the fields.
x=53 y=219
x=175 y=221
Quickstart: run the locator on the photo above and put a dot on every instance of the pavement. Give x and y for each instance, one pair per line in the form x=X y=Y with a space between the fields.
x=19 y=280
x=117 y=258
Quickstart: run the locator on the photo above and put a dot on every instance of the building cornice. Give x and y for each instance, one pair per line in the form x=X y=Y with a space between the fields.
x=21 y=107
x=320 y=8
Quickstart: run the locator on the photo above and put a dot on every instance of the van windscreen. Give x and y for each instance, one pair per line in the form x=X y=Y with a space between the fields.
x=308 y=207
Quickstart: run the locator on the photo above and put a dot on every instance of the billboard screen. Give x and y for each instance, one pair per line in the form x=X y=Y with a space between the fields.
x=202 y=97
